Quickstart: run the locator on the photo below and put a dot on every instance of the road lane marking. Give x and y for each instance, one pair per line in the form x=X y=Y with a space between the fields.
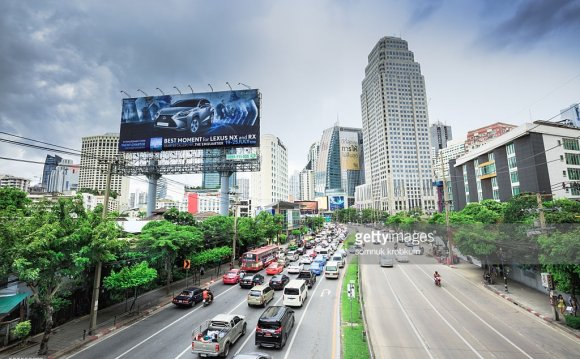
x=325 y=292
x=483 y=321
x=441 y=315
x=335 y=317
x=415 y=330
x=168 y=325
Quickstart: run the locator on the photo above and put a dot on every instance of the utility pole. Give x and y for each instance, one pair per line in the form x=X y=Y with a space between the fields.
x=235 y=229
x=446 y=202
x=99 y=266
x=541 y=211
x=542 y=218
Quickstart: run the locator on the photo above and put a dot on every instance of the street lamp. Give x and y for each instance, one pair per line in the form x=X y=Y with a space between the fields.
x=143 y=92
x=227 y=83
x=243 y=84
x=163 y=93
x=210 y=87
x=175 y=87
x=191 y=88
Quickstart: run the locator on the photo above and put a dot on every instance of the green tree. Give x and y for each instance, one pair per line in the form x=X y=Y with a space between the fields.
x=559 y=255
x=131 y=278
x=12 y=199
x=248 y=235
x=183 y=218
x=218 y=231
x=211 y=256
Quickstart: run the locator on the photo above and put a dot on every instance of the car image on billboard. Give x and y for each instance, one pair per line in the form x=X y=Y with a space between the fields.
x=190 y=121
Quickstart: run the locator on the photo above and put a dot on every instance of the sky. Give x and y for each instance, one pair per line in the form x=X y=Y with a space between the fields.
x=63 y=64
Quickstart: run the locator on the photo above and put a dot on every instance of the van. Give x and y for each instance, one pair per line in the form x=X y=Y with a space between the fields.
x=295 y=293
x=260 y=295
x=274 y=327
x=331 y=270
x=292 y=256
x=337 y=257
x=323 y=252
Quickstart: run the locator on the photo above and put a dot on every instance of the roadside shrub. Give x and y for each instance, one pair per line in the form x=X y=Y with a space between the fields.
x=572 y=321
x=22 y=329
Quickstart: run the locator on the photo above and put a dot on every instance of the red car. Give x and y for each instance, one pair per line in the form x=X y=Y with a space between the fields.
x=274 y=269
x=313 y=254
x=232 y=277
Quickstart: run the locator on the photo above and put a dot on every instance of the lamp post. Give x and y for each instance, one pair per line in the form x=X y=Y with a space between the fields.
x=243 y=84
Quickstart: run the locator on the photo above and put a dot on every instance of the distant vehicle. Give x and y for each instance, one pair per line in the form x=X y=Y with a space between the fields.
x=295 y=268
x=295 y=293
x=274 y=268
x=305 y=260
x=313 y=254
x=283 y=262
x=251 y=280
x=307 y=276
x=386 y=261
x=215 y=337
x=316 y=268
x=189 y=297
x=260 y=295
x=292 y=256
x=279 y=281
x=320 y=259
x=274 y=327
x=231 y=277
x=191 y=114
x=338 y=258
x=259 y=258
x=332 y=270
x=253 y=355
x=402 y=258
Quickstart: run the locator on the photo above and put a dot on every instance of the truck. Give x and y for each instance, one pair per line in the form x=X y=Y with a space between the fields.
x=307 y=276
x=214 y=337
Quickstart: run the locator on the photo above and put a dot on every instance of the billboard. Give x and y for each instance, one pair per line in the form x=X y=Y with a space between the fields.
x=190 y=121
x=349 y=152
x=335 y=202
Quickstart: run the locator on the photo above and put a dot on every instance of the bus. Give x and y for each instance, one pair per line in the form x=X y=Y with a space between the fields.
x=259 y=258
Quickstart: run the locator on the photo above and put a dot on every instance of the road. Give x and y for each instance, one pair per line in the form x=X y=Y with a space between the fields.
x=167 y=333
x=408 y=316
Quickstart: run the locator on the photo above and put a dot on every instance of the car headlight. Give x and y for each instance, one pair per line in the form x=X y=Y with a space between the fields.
x=183 y=113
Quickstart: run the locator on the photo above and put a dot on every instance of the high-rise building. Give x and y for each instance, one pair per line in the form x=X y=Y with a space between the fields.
x=161 y=188
x=338 y=167
x=64 y=178
x=243 y=188
x=396 y=130
x=270 y=184
x=212 y=180
x=96 y=151
x=313 y=156
x=294 y=186
x=571 y=115
x=480 y=136
x=50 y=164
x=306 y=179
x=439 y=135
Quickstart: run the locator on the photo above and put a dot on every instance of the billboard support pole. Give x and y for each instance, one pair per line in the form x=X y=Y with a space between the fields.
x=152 y=178
x=224 y=192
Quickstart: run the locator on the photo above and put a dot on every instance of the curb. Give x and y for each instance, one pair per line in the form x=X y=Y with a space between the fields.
x=539 y=315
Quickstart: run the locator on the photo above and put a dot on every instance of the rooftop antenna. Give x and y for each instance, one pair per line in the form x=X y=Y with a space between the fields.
x=175 y=87
x=190 y=88
x=163 y=93
x=143 y=92
x=126 y=94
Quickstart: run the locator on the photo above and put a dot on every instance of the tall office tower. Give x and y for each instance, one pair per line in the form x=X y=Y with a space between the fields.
x=312 y=156
x=96 y=150
x=294 y=186
x=211 y=180
x=244 y=188
x=65 y=177
x=270 y=184
x=396 y=129
x=439 y=135
x=338 y=167
x=50 y=164
x=571 y=116
x=161 y=188
x=307 y=185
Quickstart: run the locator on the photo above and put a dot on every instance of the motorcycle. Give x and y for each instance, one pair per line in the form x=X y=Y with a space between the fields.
x=438 y=281
x=208 y=301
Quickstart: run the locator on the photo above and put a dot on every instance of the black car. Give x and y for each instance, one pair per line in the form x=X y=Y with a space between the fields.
x=251 y=280
x=279 y=281
x=189 y=297
x=189 y=115
x=274 y=327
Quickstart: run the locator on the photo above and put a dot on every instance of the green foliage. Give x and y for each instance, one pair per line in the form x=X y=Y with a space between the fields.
x=217 y=231
x=572 y=321
x=519 y=209
x=130 y=277
x=211 y=256
x=175 y=216
x=13 y=199
x=22 y=329
x=559 y=255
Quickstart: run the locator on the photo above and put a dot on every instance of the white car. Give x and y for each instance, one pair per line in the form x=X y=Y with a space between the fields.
x=295 y=268
x=305 y=260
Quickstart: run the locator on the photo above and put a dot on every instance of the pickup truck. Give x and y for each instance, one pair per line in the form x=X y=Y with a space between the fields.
x=307 y=276
x=215 y=337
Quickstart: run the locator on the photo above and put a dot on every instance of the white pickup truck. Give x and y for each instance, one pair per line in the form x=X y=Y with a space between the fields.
x=215 y=337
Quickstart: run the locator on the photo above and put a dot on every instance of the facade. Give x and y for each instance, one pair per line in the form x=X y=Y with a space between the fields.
x=96 y=150
x=306 y=179
x=212 y=180
x=161 y=191
x=17 y=182
x=539 y=158
x=454 y=149
x=339 y=162
x=198 y=202
x=64 y=178
x=571 y=115
x=270 y=184
x=480 y=136
x=313 y=156
x=439 y=135
x=244 y=188
x=50 y=164
x=294 y=187
x=396 y=130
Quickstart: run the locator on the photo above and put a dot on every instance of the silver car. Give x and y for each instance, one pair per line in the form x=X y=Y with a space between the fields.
x=188 y=115
x=253 y=356
x=386 y=261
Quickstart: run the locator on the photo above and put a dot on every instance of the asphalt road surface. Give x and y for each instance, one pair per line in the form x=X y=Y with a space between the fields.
x=410 y=317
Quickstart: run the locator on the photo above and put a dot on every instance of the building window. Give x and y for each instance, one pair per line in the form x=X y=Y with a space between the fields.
x=490 y=156
x=572 y=159
x=512 y=162
x=514 y=177
x=515 y=190
x=510 y=149
x=573 y=173
x=571 y=144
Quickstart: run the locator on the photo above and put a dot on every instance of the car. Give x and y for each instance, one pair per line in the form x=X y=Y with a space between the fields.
x=386 y=261
x=313 y=254
x=274 y=268
x=305 y=260
x=292 y=256
x=402 y=258
x=274 y=326
x=231 y=277
x=253 y=355
x=320 y=259
x=188 y=297
x=260 y=295
x=283 y=262
x=186 y=115
x=279 y=281
x=307 y=276
x=295 y=268
x=251 y=280
x=316 y=268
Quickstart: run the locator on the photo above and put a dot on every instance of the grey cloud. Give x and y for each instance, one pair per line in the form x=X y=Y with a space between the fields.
x=424 y=9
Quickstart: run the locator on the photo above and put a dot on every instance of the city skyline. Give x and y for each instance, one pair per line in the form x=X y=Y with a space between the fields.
x=483 y=63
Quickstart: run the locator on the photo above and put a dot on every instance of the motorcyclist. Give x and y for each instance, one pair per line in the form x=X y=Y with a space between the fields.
x=207 y=295
x=437 y=277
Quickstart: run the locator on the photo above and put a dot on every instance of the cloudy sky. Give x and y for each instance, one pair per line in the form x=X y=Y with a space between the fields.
x=64 y=63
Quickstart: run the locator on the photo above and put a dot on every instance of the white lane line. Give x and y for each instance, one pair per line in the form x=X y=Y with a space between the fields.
x=417 y=334
x=440 y=315
x=253 y=331
x=483 y=321
x=300 y=322
x=169 y=325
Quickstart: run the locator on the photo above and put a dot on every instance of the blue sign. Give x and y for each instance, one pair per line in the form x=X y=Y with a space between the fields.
x=335 y=202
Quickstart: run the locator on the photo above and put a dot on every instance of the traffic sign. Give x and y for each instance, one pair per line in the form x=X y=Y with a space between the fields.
x=241 y=156
x=186 y=264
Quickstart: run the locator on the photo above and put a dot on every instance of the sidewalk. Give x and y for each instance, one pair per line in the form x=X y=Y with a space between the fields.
x=525 y=297
x=74 y=334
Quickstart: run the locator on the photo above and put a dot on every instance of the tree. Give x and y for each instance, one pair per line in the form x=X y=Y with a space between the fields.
x=559 y=255
x=183 y=218
x=266 y=225
x=248 y=235
x=211 y=256
x=13 y=199
x=218 y=231
x=131 y=278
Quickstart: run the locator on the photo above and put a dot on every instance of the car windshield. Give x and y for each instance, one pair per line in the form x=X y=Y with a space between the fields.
x=331 y=269
x=255 y=293
x=291 y=291
x=232 y=274
x=186 y=103
x=185 y=293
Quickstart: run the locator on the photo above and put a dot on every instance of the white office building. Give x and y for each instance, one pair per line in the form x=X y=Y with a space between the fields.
x=307 y=185
x=270 y=184
x=396 y=129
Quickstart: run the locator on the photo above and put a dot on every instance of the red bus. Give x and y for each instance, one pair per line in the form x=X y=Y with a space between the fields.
x=259 y=258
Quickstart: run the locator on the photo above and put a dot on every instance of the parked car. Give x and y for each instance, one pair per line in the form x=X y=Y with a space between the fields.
x=251 y=280
x=190 y=114
x=274 y=326
x=188 y=297
x=295 y=268
x=386 y=261
x=260 y=295
x=231 y=277
x=274 y=268
x=279 y=281
x=216 y=336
